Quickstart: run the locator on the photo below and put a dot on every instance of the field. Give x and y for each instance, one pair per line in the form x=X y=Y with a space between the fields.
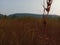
x=29 y=31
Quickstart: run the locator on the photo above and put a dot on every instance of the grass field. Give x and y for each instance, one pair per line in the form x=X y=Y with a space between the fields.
x=29 y=31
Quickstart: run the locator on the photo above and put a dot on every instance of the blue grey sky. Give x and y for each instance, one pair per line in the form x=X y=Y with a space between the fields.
x=26 y=6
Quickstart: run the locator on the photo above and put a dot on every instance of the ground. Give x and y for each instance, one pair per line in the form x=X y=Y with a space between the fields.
x=29 y=31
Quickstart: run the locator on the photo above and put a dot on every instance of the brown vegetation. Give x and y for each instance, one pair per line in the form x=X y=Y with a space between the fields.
x=29 y=31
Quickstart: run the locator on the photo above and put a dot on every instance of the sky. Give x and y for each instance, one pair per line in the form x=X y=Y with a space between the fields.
x=27 y=6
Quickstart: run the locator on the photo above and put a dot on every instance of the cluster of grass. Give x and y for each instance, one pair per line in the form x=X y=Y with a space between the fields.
x=29 y=31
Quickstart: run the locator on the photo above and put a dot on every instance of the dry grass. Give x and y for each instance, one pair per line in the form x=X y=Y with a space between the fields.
x=29 y=31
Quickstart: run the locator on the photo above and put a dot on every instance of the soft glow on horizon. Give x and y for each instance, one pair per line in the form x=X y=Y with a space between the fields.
x=27 y=6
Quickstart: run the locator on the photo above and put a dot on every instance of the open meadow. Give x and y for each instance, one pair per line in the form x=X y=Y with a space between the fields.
x=29 y=31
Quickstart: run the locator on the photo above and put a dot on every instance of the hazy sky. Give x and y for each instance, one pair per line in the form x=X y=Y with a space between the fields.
x=27 y=6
